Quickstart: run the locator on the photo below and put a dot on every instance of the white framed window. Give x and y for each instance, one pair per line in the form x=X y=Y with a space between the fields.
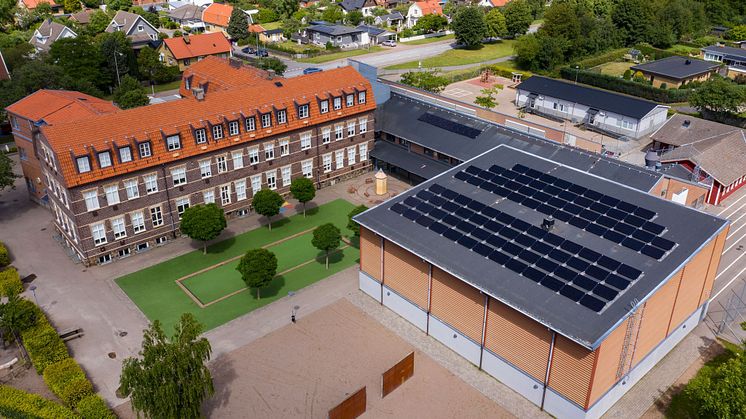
x=327 y=161
x=303 y=111
x=240 y=186
x=112 y=194
x=284 y=147
x=271 y=178
x=200 y=135
x=282 y=116
x=266 y=120
x=363 y=125
x=156 y=216
x=256 y=184
x=306 y=167
x=254 y=155
x=286 y=173
x=151 y=183
x=130 y=186
x=237 y=157
x=350 y=128
x=181 y=205
x=269 y=151
x=222 y=162
x=98 y=232
x=339 y=158
x=208 y=196
x=138 y=222
x=217 y=132
x=233 y=128
x=91 y=200
x=339 y=132
x=350 y=100
x=178 y=174
x=118 y=227
x=305 y=141
x=84 y=164
x=560 y=107
x=324 y=107
x=337 y=103
x=104 y=159
x=225 y=194
x=250 y=123
x=326 y=135
x=205 y=168
x=621 y=123
x=363 y=152
x=125 y=154
x=361 y=97
x=145 y=149
x=173 y=142
x=351 y=151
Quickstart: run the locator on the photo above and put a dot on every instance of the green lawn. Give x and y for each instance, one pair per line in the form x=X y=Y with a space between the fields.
x=299 y=48
x=339 y=55
x=156 y=293
x=429 y=40
x=461 y=56
x=167 y=86
x=613 y=68
x=271 y=25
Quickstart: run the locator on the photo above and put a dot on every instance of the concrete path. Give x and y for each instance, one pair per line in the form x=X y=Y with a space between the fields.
x=384 y=72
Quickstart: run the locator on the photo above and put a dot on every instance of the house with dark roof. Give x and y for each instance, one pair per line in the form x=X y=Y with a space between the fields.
x=712 y=153
x=272 y=35
x=394 y=20
x=376 y=34
x=733 y=58
x=676 y=70
x=606 y=112
x=364 y=6
x=48 y=33
x=188 y=49
x=338 y=35
x=135 y=27
x=188 y=15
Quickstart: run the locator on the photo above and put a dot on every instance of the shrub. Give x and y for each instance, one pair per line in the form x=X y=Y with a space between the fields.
x=44 y=345
x=664 y=86
x=642 y=89
x=613 y=55
x=4 y=255
x=627 y=74
x=94 y=407
x=68 y=381
x=17 y=404
x=10 y=283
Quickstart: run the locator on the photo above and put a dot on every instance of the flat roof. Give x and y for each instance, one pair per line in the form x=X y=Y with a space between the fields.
x=677 y=67
x=728 y=52
x=412 y=162
x=581 y=278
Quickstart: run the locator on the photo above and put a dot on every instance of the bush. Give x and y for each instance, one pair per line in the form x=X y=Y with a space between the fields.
x=94 y=407
x=44 y=345
x=10 y=283
x=17 y=404
x=67 y=380
x=4 y=255
x=613 y=55
x=617 y=84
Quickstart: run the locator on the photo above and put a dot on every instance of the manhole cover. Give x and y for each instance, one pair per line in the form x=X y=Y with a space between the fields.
x=44 y=229
x=112 y=355
x=122 y=334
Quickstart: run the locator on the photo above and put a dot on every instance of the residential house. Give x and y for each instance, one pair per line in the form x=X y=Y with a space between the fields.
x=135 y=27
x=733 y=58
x=391 y=20
x=83 y=17
x=391 y=4
x=307 y=3
x=376 y=34
x=609 y=113
x=4 y=73
x=712 y=153
x=493 y=3
x=31 y=5
x=676 y=70
x=364 y=6
x=188 y=15
x=338 y=35
x=48 y=33
x=188 y=49
x=271 y=35
x=422 y=8
x=217 y=16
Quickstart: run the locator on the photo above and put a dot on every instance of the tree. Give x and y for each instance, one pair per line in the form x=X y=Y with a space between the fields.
x=116 y=49
x=561 y=20
x=634 y=19
x=352 y=225
x=518 y=17
x=326 y=237
x=98 y=22
x=238 y=25
x=17 y=314
x=203 y=223
x=80 y=59
x=488 y=99
x=130 y=94
x=272 y=63
x=149 y=64
x=7 y=177
x=430 y=23
x=118 y=4
x=303 y=190
x=332 y=14
x=285 y=8
x=258 y=268
x=495 y=21
x=72 y=6
x=291 y=26
x=170 y=379
x=718 y=95
x=267 y=203
x=355 y=17
x=469 y=27
x=425 y=80
x=266 y=16
x=737 y=33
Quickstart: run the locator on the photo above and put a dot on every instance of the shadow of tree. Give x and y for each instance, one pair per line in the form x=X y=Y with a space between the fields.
x=272 y=289
x=223 y=374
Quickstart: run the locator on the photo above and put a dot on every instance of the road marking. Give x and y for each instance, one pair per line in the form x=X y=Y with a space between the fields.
x=732 y=203
x=738 y=275
x=729 y=266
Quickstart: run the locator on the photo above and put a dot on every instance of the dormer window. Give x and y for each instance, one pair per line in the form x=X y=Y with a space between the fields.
x=84 y=164
x=233 y=128
x=188 y=83
x=266 y=120
x=282 y=116
x=104 y=159
x=303 y=111
x=350 y=100
x=337 y=103
x=145 y=150
x=125 y=154
x=324 y=107
x=361 y=97
x=250 y=123
x=200 y=136
x=217 y=132
x=173 y=142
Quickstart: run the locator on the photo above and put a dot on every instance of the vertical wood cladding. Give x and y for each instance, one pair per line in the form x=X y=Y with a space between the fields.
x=655 y=318
x=714 y=265
x=518 y=339
x=572 y=368
x=406 y=274
x=458 y=304
x=370 y=253
x=607 y=362
x=692 y=281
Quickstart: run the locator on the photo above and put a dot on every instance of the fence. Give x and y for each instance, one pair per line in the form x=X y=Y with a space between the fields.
x=724 y=319
x=426 y=36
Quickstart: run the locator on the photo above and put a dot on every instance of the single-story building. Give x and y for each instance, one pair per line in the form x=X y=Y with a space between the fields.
x=393 y=20
x=676 y=70
x=610 y=113
x=48 y=33
x=188 y=15
x=271 y=35
x=733 y=58
x=714 y=153
x=376 y=34
x=338 y=35
x=188 y=49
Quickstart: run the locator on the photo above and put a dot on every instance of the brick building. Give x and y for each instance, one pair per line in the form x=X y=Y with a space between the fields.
x=122 y=180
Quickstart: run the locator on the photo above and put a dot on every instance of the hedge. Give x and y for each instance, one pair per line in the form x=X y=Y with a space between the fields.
x=460 y=75
x=4 y=255
x=609 y=82
x=94 y=407
x=44 y=345
x=613 y=55
x=17 y=404
x=68 y=381
x=10 y=283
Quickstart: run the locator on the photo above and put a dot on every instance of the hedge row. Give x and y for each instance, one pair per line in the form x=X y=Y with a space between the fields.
x=44 y=345
x=4 y=255
x=613 y=55
x=620 y=85
x=68 y=381
x=94 y=407
x=17 y=404
x=10 y=283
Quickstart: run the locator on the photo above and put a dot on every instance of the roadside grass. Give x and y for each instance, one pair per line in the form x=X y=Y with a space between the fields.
x=460 y=56
x=296 y=47
x=339 y=55
x=429 y=40
x=613 y=68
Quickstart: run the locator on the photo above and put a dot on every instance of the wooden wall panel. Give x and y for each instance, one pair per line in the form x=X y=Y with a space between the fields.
x=655 y=318
x=518 y=339
x=406 y=274
x=714 y=265
x=458 y=304
x=607 y=363
x=690 y=289
x=571 y=371
x=370 y=253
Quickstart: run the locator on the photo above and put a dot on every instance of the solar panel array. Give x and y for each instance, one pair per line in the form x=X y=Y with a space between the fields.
x=602 y=215
x=449 y=125
x=563 y=266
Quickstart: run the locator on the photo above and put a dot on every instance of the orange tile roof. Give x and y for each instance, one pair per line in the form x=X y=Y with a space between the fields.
x=429 y=7
x=57 y=106
x=256 y=28
x=198 y=46
x=220 y=75
x=217 y=14
x=154 y=122
x=33 y=4
x=499 y=3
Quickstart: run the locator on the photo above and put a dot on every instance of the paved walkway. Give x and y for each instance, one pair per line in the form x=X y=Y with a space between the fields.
x=383 y=72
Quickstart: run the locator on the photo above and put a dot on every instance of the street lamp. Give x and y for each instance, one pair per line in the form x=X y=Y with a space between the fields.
x=577 y=70
x=33 y=291
x=293 y=313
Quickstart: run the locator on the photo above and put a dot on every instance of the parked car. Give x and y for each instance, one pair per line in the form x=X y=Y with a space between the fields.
x=262 y=53
x=389 y=43
x=311 y=70
x=248 y=50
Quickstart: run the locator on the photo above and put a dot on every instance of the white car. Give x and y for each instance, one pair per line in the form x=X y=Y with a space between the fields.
x=389 y=43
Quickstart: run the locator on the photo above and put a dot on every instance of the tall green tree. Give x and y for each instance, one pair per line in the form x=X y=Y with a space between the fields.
x=118 y=4
x=354 y=17
x=285 y=8
x=7 y=9
x=332 y=14
x=469 y=27
x=170 y=378
x=238 y=25
x=429 y=80
x=203 y=223
x=267 y=203
x=495 y=21
x=303 y=190
x=431 y=23
x=81 y=59
x=7 y=176
x=518 y=17
x=258 y=268
x=718 y=95
x=98 y=22
x=149 y=64
x=116 y=49
x=326 y=238
x=72 y=6
x=352 y=225
x=634 y=19
x=130 y=94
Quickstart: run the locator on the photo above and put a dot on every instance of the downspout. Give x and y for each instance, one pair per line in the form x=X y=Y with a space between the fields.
x=383 y=243
x=168 y=199
x=319 y=167
x=429 y=297
x=549 y=368
x=484 y=328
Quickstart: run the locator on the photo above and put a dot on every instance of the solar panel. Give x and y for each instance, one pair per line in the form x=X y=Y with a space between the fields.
x=411 y=214
x=438 y=228
x=398 y=208
x=572 y=293
x=424 y=221
x=425 y=195
x=452 y=234
x=592 y=303
x=463 y=176
x=552 y=283
x=449 y=125
x=438 y=189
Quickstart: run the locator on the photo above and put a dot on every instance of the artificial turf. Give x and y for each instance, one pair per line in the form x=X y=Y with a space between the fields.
x=156 y=293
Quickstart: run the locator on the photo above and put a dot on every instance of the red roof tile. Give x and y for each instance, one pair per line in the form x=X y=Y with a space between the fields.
x=198 y=45
x=429 y=7
x=33 y=4
x=58 y=106
x=220 y=75
x=217 y=14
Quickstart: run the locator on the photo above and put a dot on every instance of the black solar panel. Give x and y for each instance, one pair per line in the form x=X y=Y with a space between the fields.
x=448 y=125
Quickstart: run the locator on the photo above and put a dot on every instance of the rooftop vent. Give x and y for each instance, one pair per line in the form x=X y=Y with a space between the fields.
x=548 y=223
x=186 y=38
x=686 y=123
x=198 y=93
x=278 y=83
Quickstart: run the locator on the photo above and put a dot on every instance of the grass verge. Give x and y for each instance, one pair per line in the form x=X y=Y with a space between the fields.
x=460 y=56
x=339 y=55
x=429 y=40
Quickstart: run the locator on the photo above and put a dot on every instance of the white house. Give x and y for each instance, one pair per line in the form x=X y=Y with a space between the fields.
x=49 y=32
x=422 y=8
x=135 y=27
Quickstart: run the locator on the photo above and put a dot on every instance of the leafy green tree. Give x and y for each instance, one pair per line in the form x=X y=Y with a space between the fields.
x=272 y=63
x=130 y=94
x=518 y=17
x=354 y=17
x=118 y=4
x=303 y=190
x=662 y=36
x=17 y=314
x=719 y=391
x=7 y=176
x=72 y=6
x=495 y=21
x=284 y=8
x=291 y=26
x=487 y=99
x=526 y=50
x=737 y=33
x=116 y=49
x=170 y=379
x=81 y=59
x=149 y=64
x=634 y=19
x=266 y=16
x=7 y=8
x=425 y=80
x=98 y=23
x=332 y=14
x=17 y=55
x=258 y=268
x=431 y=23
x=203 y=223
x=561 y=20
x=238 y=25
x=718 y=95
x=469 y=27
x=352 y=225
x=43 y=10
x=267 y=203
x=326 y=238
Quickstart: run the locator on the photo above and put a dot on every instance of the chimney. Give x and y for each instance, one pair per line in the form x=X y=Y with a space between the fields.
x=186 y=38
x=548 y=223
x=686 y=123
x=198 y=93
x=234 y=62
